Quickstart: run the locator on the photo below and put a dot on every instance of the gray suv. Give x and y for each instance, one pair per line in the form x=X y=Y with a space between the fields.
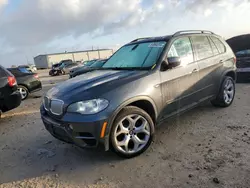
x=145 y=82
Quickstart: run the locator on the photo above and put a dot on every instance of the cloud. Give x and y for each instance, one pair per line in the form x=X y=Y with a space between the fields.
x=36 y=24
x=40 y=21
x=3 y=3
x=208 y=12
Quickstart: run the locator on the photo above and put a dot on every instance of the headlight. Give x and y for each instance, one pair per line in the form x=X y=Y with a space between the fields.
x=88 y=107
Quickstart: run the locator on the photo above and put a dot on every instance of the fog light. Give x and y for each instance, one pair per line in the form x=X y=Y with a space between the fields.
x=71 y=127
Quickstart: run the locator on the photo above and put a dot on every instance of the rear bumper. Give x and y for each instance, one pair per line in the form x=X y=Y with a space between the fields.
x=35 y=86
x=10 y=102
x=83 y=134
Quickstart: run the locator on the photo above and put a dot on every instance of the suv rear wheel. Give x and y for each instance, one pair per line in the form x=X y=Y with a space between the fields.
x=226 y=94
x=132 y=132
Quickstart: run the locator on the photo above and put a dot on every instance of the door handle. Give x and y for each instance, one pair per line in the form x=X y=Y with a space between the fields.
x=194 y=71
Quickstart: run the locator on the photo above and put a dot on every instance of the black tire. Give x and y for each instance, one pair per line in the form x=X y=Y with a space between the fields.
x=51 y=73
x=131 y=110
x=220 y=99
x=23 y=88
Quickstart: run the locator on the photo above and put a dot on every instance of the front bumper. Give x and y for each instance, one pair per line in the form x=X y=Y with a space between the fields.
x=84 y=134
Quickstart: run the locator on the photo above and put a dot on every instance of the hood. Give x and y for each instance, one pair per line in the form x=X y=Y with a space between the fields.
x=90 y=80
x=82 y=67
x=84 y=70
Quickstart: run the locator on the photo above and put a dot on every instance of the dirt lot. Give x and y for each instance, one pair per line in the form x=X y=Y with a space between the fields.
x=206 y=147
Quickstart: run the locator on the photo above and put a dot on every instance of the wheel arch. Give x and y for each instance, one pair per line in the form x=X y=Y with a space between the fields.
x=24 y=85
x=143 y=102
x=231 y=73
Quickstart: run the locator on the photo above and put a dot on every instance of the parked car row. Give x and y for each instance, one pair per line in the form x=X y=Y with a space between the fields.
x=15 y=85
x=27 y=82
x=145 y=82
x=87 y=67
x=75 y=68
x=62 y=67
x=10 y=98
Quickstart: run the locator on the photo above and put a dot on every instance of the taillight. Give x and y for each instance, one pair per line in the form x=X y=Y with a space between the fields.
x=11 y=81
x=235 y=60
x=36 y=76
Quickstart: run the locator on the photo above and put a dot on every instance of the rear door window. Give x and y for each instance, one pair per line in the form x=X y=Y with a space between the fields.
x=202 y=47
x=220 y=46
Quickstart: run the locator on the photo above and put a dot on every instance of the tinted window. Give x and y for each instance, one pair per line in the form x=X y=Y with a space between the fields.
x=98 y=64
x=2 y=72
x=89 y=63
x=202 y=47
x=136 y=55
x=214 y=48
x=15 y=71
x=219 y=44
x=67 y=62
x=24 y=70
x=182 y=48
x=243 y=53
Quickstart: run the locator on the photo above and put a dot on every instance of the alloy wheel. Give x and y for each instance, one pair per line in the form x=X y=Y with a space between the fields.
x=132 y=134
x=228 y=91
x=23 y=92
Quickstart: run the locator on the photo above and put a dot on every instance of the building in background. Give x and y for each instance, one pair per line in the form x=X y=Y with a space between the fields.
x=47 y=60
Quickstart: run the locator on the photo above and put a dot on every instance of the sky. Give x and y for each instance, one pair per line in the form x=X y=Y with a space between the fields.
x=32 y=27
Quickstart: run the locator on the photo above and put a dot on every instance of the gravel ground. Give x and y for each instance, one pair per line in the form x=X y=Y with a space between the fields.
x=206 y=147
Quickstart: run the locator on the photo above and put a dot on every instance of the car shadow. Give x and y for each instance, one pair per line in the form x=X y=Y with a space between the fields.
x=30 y=151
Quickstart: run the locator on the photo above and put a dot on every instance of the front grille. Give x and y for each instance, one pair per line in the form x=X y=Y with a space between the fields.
x=56 y=106
x=46 y=103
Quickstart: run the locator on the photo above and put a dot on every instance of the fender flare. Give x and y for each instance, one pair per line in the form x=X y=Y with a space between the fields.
x=223 y=76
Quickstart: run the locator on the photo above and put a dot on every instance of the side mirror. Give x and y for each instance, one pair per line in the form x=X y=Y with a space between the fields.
x=173 y=62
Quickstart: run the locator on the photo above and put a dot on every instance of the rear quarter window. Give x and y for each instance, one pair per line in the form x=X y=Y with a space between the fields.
x=220 y=46
x=3 y=72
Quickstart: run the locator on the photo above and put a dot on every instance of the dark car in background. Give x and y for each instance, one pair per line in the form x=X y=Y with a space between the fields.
x=96 y=65
x=243 y=66
x=241 y=47
x=145 y=82
x=10 y=98
x=81 y=67
x=27 y=82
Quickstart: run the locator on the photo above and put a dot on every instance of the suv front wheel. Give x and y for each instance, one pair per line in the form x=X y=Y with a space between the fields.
x=132 y=132
x=227 y=92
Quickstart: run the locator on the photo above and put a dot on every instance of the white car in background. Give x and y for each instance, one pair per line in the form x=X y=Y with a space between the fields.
x=31 y=68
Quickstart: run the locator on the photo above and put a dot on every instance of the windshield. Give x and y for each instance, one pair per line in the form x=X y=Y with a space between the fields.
x=98 y=64
x=142 y=55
